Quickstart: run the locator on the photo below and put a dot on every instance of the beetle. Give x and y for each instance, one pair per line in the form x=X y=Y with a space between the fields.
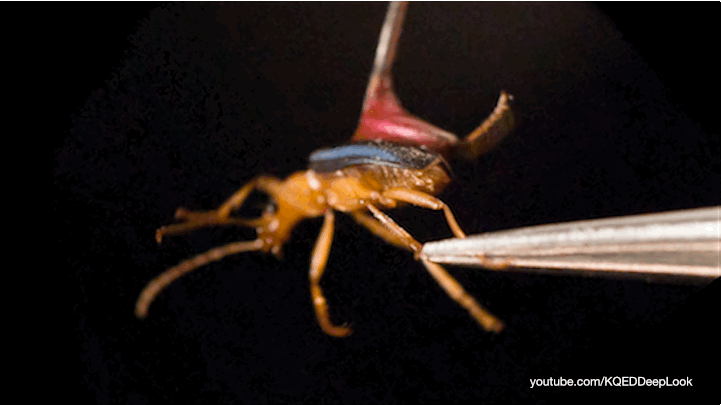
x=394 y=158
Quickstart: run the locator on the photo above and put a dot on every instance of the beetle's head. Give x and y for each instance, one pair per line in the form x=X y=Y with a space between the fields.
x=275 y=225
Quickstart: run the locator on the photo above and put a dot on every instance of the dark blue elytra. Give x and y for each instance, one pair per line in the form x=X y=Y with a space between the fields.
x=371 y=152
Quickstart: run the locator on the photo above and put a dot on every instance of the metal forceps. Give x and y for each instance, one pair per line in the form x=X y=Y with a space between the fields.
x=677 y=246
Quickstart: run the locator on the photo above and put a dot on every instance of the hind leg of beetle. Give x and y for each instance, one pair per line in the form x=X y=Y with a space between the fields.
x=493 y=129
x=318 y=261
x=398 y=235
x=424 y=200
x=377 y=229
x=484 y=318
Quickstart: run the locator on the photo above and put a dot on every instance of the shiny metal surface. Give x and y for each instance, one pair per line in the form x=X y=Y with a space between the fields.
x=677 y=245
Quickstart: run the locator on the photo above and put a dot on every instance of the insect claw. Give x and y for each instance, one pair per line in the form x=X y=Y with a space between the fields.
x=159 y=234
x=338 y=331
x=496 y=326
x=346 y=326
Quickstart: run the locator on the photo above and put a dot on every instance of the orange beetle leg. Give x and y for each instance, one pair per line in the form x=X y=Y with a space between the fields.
x=484 y=318
x=318 y=262
x=493 y=129
x=421 y=199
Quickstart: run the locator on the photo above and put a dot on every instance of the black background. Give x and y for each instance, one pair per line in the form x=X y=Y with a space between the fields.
x=180 y=105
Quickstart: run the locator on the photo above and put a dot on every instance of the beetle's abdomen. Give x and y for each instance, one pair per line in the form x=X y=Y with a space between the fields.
x=371 y=153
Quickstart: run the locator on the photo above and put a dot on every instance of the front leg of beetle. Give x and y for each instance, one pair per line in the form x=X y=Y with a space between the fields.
x=200 y=219
x=318 y=262
x=220 y=216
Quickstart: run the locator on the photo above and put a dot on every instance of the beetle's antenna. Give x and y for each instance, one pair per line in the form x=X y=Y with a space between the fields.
x=159 y=283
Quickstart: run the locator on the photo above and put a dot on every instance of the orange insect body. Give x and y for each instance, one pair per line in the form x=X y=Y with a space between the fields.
x=309 y=194
x=353 y=189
